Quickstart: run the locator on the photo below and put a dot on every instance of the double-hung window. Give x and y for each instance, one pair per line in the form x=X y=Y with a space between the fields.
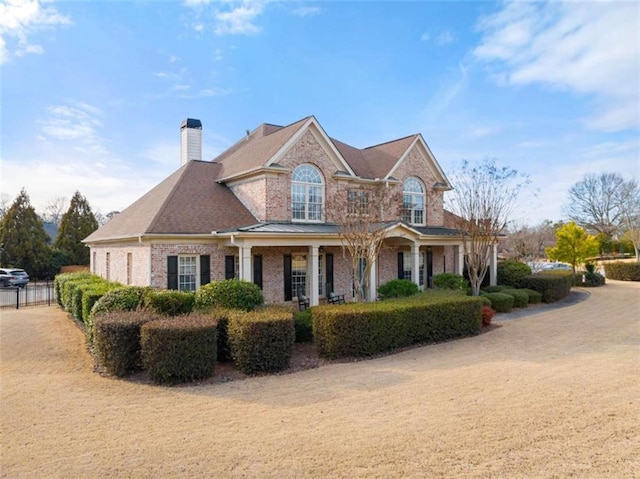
x=187 y=273
x=413 y=202
x=307 y=194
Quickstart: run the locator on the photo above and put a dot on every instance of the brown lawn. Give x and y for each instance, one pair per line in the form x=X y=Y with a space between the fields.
x=556 y=394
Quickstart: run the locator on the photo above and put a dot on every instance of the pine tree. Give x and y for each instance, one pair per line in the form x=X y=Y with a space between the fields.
x=76 y=224
x=23 y=240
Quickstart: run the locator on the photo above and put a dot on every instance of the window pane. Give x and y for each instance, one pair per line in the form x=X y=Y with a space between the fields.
x=298 y=273
x=187 y=270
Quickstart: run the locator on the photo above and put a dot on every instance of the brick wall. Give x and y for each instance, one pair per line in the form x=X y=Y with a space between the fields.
x=118 y=270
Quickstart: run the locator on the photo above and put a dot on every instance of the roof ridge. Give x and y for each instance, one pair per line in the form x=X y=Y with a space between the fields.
x=391 y=141
x=159 y=211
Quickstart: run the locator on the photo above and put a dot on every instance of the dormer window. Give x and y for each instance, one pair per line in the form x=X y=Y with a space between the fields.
x=413 y=202
x=307 y=194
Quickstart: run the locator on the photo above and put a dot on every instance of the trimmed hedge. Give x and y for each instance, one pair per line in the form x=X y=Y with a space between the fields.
x=552 y=285
x=230 y=294
x=261 y=341
x=117 y=341
x=124 y=298
x=170 y=302
x=534 y=296
x=80 y=290
x=450 y=281
x=520 y=297
x=60 y=279
x=501 y=302
x=364 y=329
x=179 y=349
x=496 y=289
x=591 y=279
x=622 y=271
x=398 y=288
x=511 y=272
x=304 y=326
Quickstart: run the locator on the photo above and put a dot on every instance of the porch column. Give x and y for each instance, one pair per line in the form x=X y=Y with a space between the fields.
x=246 y=272
x=313 y=276
x=372 y=294
x=459 y=252
x=493 y=266
x=415 y=264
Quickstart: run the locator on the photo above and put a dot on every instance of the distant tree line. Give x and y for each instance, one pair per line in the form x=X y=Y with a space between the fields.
x=25 y=244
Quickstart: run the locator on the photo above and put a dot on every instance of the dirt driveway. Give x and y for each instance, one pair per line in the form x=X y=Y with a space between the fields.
x=556 y=394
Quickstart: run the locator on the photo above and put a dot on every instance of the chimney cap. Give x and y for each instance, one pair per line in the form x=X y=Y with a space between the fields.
x=191 y=123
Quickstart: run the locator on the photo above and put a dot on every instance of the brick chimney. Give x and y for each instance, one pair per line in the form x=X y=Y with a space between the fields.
x=190 y=141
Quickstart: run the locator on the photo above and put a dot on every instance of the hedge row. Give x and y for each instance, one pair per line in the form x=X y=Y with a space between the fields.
x=622 y=271
x=552 y=285
x=364 y=329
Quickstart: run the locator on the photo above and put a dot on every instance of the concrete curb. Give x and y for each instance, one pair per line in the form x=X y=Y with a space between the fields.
x=577 y=295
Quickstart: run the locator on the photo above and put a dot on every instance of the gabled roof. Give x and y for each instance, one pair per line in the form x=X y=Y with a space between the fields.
x=190 y=201
x=375 y=161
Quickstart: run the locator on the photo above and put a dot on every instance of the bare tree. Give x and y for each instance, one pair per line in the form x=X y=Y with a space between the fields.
x=528 y=243
x=54 y=209
x=5 y=203
x=360 y=214
x=483 y=199
x=631 y=214
x=596 y=203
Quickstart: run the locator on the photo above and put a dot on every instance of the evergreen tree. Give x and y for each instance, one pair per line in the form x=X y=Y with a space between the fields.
x=76 y=224
x=23 y=240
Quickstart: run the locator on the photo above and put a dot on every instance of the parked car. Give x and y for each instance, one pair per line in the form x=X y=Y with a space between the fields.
x=13 y=277
x=556 y=266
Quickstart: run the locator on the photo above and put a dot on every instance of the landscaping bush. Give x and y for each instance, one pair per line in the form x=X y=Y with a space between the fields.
x=303 y=325
x=261 y=341
x=591 y=279
x=179 y=349
x=170 y=302
x=622 y=271
x=534 y=296
x=501 y=302
x=552 y=285
x=510 y=272
x=80 y=290
x=487 y=314
x=520 y=298
x=496 y=289
x=230 y=294
x=364 y=329
x=68 y=287
x=398 y=288
x=60 y=279
x=125 y=298
x=450 y=281
x=117 y=341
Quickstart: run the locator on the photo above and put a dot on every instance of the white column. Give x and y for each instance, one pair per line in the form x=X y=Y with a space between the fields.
x=246 y=272
x=372 y=294
x=415 y=264
x=493 y=266
x=459 y=252
x=314 y=270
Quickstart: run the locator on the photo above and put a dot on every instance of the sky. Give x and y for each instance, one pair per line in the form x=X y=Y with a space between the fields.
x=93 y=92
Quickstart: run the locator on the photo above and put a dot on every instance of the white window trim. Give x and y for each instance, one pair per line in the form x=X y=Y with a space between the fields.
x=307 y=185
x=197 y=273
x=423 y=195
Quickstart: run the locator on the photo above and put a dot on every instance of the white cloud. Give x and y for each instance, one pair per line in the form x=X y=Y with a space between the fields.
x=230 y=17
x=588 y=48
x=20 y=19
x=425 y=37
x=306 y=11
x=483 y=131
x=445 y=38
x=75 y=121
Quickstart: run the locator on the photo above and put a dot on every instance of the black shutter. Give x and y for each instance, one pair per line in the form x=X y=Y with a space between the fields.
x=287 y=278
x=257 y=270
x=229 y=267
x=205 y=269
x=400 y=265
x=329 y=270
x=429 y=269
x=172 y=272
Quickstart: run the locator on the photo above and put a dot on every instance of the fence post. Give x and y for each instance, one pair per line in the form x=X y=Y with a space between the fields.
x=17 y=297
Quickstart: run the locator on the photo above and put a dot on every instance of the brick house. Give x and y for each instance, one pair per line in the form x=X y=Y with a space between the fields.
x=257 y=212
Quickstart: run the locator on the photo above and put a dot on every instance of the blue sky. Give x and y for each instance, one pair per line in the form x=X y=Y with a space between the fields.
x=93 y=93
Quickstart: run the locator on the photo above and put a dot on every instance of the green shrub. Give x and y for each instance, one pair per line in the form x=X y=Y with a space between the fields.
x=117 y=341
x=552 y=285
x=364 y=329
x=398 y=288
x=501 y=302
x=510 y=272
x=622 y=271
x=450 y=281
x=221 y=315
x=68 y=287
x=230 y=294
x=170 y=302
x=520 y=298
x=588 y=279
x=179 y=349
x=93 y=294
x=261 y=341
x=534 y=296
x=303 y=325
x=590 y=267
x=79 y=291
x=123 y=298
x=496 y=289
x=60 y=279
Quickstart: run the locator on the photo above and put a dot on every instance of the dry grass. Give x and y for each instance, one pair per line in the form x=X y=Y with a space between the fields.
x=552 y=395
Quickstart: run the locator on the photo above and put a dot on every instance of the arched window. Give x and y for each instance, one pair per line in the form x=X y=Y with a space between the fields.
x=307 y=194
x=413 y=202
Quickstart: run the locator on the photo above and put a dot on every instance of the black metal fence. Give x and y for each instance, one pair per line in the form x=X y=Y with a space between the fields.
x=36 y=293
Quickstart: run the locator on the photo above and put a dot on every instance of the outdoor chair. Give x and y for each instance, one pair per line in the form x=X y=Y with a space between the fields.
x=303 y=301
x=333 y=298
